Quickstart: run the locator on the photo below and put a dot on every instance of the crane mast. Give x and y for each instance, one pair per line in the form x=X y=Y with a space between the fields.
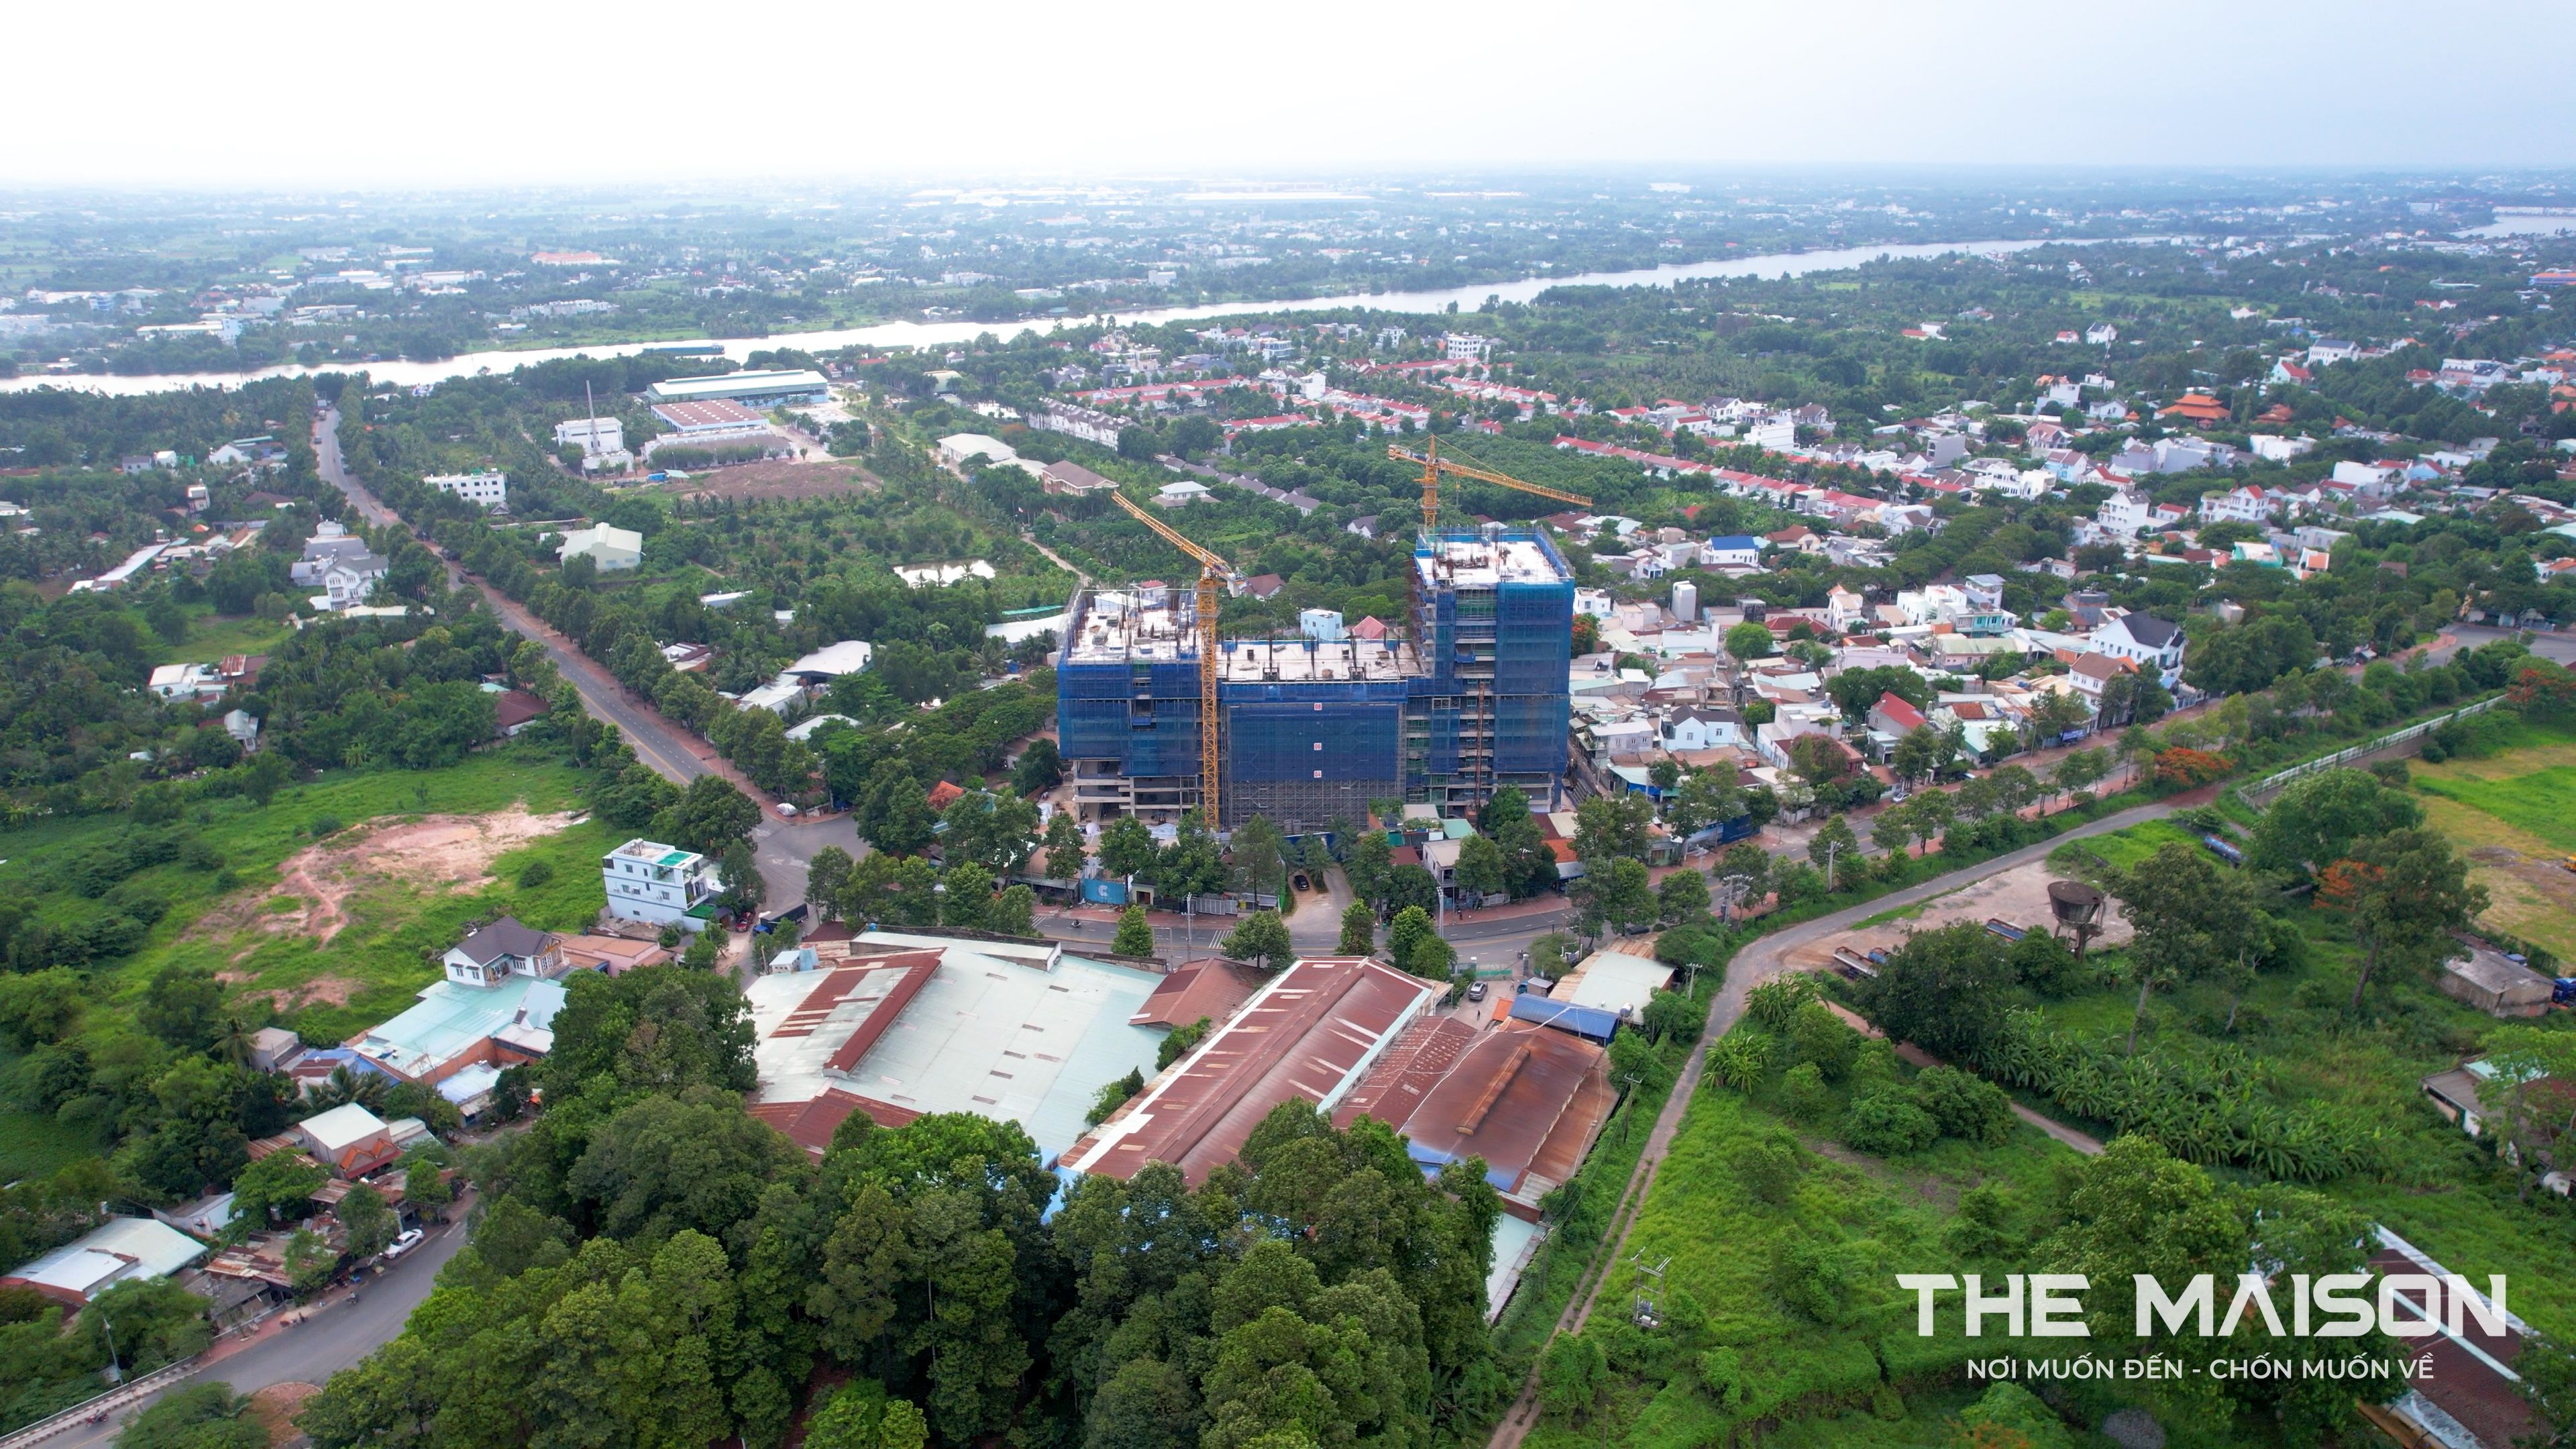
x=1213 y=572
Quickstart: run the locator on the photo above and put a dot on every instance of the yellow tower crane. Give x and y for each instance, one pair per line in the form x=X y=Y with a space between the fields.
x=1213 y=572
x=1433 y=465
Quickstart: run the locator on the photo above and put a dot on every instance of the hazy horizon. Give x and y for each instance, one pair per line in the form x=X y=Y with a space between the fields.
x=266 y=97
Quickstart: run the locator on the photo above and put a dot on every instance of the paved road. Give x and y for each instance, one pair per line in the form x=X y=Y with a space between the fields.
x=338 y=1334
x=783 y=847
x=1764 y=958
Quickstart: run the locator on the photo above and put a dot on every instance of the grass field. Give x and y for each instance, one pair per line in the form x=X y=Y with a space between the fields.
x=1838 y=1367
x=395 y=926
x=2514 y=814
x=211 y=636
x=2431 y=1186
x=34 y=1144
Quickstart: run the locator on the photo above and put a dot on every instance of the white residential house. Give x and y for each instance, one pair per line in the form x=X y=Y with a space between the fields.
x=487 y=490
x=2273 y=448
x=341 y=565
x=660 y=884
x=1844 y=609
x=2145 y=640
x=1702 y=728
x=2101 y=334
x=2236 y=505
x=1735 y=550
x=1174 y=495
x=500 y=949
x=609 y=547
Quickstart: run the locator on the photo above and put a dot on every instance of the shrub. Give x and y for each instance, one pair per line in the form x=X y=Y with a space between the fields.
x=534 y=874
x=1822 y=1039
x=324 y=825
x=1774 y=1002
x=1886 y=1123
x=1805 y=1094
x=1964 y=1106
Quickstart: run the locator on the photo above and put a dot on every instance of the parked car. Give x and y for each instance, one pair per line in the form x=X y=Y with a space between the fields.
x=409 y=1240
x=1476 y=991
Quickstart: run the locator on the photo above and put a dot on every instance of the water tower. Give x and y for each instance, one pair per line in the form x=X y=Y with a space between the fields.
x=2078 y=908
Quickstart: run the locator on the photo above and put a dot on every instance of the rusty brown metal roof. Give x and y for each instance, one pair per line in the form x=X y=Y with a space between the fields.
x=1211 y=987
x=1515 y=1096
x=1307 y=1035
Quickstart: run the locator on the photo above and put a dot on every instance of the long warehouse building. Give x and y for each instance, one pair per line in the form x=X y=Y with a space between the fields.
x=1472 y=700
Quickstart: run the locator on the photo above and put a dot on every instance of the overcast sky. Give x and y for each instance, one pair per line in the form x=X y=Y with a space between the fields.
x=253 y=92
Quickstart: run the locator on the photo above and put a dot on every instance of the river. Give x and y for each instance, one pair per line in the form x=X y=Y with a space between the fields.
x=935 y=334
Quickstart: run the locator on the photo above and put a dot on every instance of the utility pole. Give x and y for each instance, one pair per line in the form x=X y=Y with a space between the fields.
x=1831 y=846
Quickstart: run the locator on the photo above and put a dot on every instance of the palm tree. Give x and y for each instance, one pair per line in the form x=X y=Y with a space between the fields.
x=342 y=1087
x=233 y=1042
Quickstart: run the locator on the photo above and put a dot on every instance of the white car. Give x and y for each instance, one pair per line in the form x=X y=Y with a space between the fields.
x=409 y=1240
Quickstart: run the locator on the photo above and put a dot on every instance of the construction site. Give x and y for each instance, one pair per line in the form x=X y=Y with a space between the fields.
x=1468 y=697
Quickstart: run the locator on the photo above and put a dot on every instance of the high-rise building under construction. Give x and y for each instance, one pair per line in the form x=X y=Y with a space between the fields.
x=1469 y=697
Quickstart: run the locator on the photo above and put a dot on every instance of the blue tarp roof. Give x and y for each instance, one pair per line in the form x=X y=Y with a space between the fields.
x=1583 y=1021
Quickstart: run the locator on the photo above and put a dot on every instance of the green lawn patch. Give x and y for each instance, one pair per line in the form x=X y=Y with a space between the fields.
x=2541 y=803
x=231 y=917
x=211 y=636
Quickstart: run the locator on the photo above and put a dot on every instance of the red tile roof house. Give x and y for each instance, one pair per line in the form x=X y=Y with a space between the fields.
x=1893 y=716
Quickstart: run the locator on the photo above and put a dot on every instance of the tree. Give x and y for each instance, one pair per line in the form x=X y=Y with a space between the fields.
x=1611 y=827
x=1413 y=886
x=1529 y=866
x=2056 y=714
x=709 y=815
x=1832 y=845
x=1014 y=912
x=1359 y=930
x=1258 y=858
x=2081 y=770
x=1405 y=934
x=1262 y=940
x=1856 y=691
x=966 y=898
x=370 y=1223
x=825 y=874
x=196 y=1416
x=1039 y=768
x=1748 y=867
x=739 y=871
x=1066 y=851
x=1818 y=759
x=1704 y=798
x=1366 y=864
x=1192 y=865
x=183 y=1007
x=1127 y=848
x=1135 y=934
x=996 y=832
x=1681 y=896
x=2317 y=820
x=1945 y=990
x=2406 y=891
x=1480 y=869
x=2168 y=898
x=425 y=1185
x=1919 y=753
x=1616 y=893
x=280 y=1180
x=308 y=1262
x=1748 y=641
